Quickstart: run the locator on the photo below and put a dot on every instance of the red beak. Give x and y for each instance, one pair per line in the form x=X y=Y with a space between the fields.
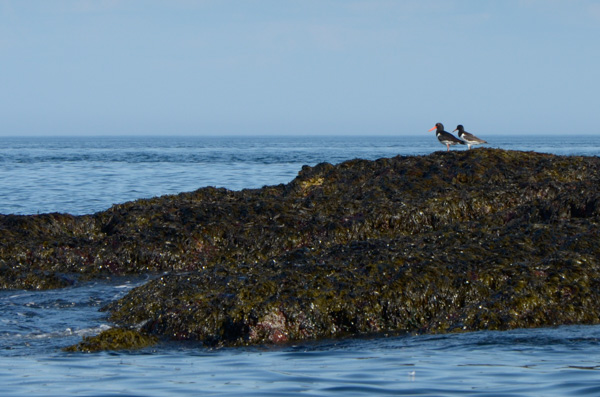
x=433 y=128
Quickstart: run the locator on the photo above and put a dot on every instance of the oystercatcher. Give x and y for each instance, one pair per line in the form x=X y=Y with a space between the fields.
x=469 y=138
x=445 y=137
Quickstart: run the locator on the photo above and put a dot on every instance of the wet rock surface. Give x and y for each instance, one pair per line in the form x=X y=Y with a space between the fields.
x=469 y=240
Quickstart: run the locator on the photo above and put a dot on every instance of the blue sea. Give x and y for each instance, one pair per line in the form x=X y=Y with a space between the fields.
x=83 y=175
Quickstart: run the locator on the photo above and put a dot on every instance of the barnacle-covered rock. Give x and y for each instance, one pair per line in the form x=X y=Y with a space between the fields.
x=480 y=239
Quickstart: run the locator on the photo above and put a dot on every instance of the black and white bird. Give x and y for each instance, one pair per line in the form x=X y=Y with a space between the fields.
x=469 y=138
x=445 y=137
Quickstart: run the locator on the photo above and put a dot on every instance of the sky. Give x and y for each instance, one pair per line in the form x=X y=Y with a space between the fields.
x=298 y=67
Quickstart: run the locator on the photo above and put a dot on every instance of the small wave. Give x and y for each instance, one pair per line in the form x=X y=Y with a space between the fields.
x=67 y=332
x=125 y=286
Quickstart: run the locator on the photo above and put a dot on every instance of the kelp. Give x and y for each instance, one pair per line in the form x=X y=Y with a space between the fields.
x=452 y=241
x=114 y=339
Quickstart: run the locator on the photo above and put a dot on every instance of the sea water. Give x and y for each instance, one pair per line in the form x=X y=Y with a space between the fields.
x=82 y=175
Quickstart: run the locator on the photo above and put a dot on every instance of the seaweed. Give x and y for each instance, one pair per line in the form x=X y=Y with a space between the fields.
x=114 y=339
x=448 y=242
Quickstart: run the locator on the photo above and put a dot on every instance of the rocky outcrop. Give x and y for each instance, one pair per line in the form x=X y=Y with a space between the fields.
x=480 y=239
x=114 y=339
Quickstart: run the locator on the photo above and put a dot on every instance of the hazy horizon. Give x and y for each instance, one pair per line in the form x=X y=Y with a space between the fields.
x=294 y=136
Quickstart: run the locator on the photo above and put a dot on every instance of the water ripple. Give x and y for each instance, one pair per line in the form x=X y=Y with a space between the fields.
x=55 y=174
x=84 y=175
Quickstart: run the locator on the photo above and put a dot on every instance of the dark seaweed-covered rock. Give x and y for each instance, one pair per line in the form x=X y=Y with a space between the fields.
x=480 y=239
x=114 y=339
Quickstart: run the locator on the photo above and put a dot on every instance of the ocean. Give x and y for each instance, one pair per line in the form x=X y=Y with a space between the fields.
x=83 y=175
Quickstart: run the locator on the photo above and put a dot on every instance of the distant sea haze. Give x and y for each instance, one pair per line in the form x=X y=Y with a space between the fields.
x=79 y=175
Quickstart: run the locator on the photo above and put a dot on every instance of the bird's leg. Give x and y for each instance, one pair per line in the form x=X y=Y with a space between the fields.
x=447 y=147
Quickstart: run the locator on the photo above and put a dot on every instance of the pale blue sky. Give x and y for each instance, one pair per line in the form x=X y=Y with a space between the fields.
x=322 y=67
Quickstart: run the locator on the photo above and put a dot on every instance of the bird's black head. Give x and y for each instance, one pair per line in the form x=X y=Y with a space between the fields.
x=460 y=128
x=438 y=126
